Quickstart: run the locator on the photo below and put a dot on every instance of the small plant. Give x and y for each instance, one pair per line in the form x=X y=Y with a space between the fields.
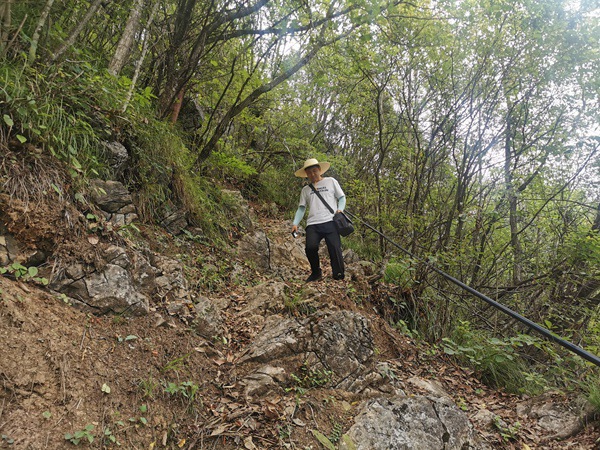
x=508 y=432
x=20 y=272
x=186 y=391
x=108 y=434
x=593 y=393
x=311 y=378
x=85 y=434
x=175 y=364
x=297 y=304
x=148 y=387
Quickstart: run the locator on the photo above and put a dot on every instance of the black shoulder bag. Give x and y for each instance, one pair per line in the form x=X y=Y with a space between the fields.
x=342 y=223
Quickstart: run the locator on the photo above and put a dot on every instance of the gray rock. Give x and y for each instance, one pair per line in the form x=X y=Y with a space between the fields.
x=338 y=342
x=238 y=210
x=175 y=221
x=110 y=196
x=208 y=321
x=264 y=380
x=117 y=156
x=255 y=248
x=562 y=419
x=410 y=423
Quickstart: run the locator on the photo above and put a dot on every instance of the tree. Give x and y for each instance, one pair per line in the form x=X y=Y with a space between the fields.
x=125 y=44
x=5 y=23
x=79 y=27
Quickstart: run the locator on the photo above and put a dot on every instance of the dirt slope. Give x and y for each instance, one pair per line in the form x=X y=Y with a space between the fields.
x=73 y=380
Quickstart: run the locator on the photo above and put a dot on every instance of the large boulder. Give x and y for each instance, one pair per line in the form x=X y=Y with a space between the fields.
x=113 y=198
x=411 y=423
x=117 y=157
x=117 y=286
x=338 y=342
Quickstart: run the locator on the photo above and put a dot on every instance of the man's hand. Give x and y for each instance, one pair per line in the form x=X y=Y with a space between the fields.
x=294 y=228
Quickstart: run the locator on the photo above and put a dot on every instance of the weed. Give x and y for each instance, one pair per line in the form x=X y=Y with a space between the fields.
x=186 y=391
x=312 y=378
x=85 y=434
x=593 y=393
x=329 y=444
x=175 y=365
x=108 y=435
x=508 y=432
x=298 y=304
x=22 y=273
x=285 y=431
x=148 y=387
x=494 y=359
x=336 y=433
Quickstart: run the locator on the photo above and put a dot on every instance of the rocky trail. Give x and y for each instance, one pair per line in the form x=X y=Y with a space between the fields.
x=230 y=349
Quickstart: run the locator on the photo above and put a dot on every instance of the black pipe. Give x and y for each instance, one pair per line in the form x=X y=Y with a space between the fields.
x=543 y=331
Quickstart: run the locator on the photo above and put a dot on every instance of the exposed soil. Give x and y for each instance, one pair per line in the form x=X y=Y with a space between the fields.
x=151 y=382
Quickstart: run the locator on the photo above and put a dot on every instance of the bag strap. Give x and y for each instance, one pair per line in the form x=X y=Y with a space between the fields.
x=322 y=199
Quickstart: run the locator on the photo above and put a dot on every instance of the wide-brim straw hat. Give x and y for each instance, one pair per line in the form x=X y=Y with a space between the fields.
x=301 y=173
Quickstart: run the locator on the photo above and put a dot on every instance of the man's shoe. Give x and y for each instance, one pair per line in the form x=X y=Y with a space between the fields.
x=316 y=276
x=339 y=276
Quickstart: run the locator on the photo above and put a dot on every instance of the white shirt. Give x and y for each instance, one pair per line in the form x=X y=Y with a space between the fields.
x=330 y=190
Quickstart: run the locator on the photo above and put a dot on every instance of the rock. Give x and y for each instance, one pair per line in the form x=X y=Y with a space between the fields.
x=208 y=321
x=430 y=386
x=238 y=210
x=122 y=285
x=9 y=249
x=559 y=417
x=175 y=221
x=263 y=381
x=255 y=248
x=110 y=196
x=264 y=297
x=486 y=419
x=410 y=423
x=338 y=342
x=111 y=290
x=117 y=157
x=288 y=256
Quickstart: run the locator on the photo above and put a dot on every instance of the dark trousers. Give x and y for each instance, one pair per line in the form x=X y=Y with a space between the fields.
x=314 y=235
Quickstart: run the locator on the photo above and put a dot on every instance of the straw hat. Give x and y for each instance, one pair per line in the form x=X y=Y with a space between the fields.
x=301 y=173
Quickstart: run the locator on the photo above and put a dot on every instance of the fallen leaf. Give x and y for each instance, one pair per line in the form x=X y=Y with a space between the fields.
x=249 y=444
x=219 y=430
x=299 y=422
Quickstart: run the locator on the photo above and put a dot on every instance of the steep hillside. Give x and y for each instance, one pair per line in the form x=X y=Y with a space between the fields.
x=242 y=354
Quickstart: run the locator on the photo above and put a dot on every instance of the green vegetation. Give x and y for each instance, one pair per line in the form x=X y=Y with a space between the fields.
x=86 y=434
x=22 y=273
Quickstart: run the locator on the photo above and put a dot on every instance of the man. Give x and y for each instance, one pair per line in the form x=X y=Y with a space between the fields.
x=319 y=224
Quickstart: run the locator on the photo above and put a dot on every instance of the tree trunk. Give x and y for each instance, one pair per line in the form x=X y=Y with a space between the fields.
x=36 y=34
x=511 y=195
x=138 y=65
x=125 y=44
x=5 y=23
x=77 y=30
x=596 y=225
